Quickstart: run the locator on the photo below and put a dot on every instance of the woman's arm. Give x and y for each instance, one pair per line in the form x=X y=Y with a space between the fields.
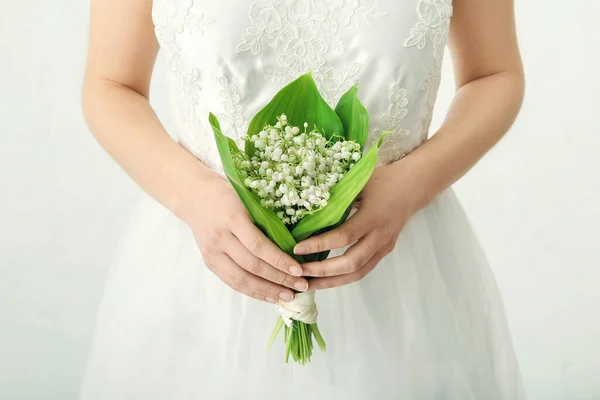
x=122 y=52
x=490 y=86
x=121 y=56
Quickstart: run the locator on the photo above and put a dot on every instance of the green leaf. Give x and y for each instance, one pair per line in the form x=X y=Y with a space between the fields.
x=342 y=196
x=265 y=219
x=354 y=116
x=301 y=102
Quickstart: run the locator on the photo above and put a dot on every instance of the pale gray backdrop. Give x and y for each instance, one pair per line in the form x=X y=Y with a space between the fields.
x=535 y=201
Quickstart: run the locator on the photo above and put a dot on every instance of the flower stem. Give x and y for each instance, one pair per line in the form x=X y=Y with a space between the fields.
x=298 y=340
x=287 y=338
x=317 y=333
x=276 y=331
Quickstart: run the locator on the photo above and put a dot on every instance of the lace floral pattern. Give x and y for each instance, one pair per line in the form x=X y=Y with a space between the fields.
x=296 y=36
x=433 y=24
x=188 y=88
x=232 y=120
x=172 y=18
x=301 y=33
x=433 y=28
x=393 y=121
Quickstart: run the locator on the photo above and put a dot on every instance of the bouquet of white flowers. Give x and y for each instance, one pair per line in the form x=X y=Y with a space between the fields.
x=299 y=174
x=292 y=171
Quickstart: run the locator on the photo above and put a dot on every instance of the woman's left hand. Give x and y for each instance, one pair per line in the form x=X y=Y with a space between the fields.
x=384 y=206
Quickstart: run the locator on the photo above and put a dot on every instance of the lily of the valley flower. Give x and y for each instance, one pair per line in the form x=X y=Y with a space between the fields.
x=293 y=172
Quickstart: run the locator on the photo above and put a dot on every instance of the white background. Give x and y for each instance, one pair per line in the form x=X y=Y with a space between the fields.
x=534 y=201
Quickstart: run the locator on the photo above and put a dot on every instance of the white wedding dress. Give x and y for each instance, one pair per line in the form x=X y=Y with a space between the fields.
x=428 y=323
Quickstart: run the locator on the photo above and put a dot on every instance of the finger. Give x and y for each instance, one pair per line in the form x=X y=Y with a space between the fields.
x=348 y=233
x=257 y=296
x=342 y=280
x=244 y=282
x=258 y=244
x=219 y=268
x=351 y=261
x=248 y=261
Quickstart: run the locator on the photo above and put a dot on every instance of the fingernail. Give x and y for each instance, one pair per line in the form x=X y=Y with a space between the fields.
x=295 y=270
x=301 y=286
x=285 y=296
x=270 y=300
x=299 y=250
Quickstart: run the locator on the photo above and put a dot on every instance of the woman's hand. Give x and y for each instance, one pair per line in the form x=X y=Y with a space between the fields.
x=384 y=207
x=237 y=251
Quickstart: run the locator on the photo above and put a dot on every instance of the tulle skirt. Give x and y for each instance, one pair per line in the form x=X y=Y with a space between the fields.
x=428 y=323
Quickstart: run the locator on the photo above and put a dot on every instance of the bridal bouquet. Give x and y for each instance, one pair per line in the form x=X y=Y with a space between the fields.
x=299 y=174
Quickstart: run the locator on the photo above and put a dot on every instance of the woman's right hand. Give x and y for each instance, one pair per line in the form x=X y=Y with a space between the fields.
x=117 y=110
x=237 y=251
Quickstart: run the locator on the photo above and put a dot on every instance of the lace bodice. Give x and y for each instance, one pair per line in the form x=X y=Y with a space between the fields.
x=230 y=57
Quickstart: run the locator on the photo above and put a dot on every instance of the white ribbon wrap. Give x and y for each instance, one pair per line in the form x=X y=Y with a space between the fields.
x=303 y=308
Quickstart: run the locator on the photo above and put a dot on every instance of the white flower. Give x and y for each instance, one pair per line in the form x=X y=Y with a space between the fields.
x=292 y=172
x=313 y=199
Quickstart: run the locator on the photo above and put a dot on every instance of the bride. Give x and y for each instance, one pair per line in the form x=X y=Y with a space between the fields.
x=407 y=303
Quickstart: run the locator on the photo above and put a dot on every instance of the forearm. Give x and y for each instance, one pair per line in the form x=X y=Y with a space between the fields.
x=124 y=123
x=481 y=113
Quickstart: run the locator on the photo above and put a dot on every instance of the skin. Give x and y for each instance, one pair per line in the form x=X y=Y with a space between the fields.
x=121 y=57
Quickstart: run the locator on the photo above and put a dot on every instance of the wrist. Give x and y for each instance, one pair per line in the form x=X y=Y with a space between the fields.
x=188 y=202
x=415 y=185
